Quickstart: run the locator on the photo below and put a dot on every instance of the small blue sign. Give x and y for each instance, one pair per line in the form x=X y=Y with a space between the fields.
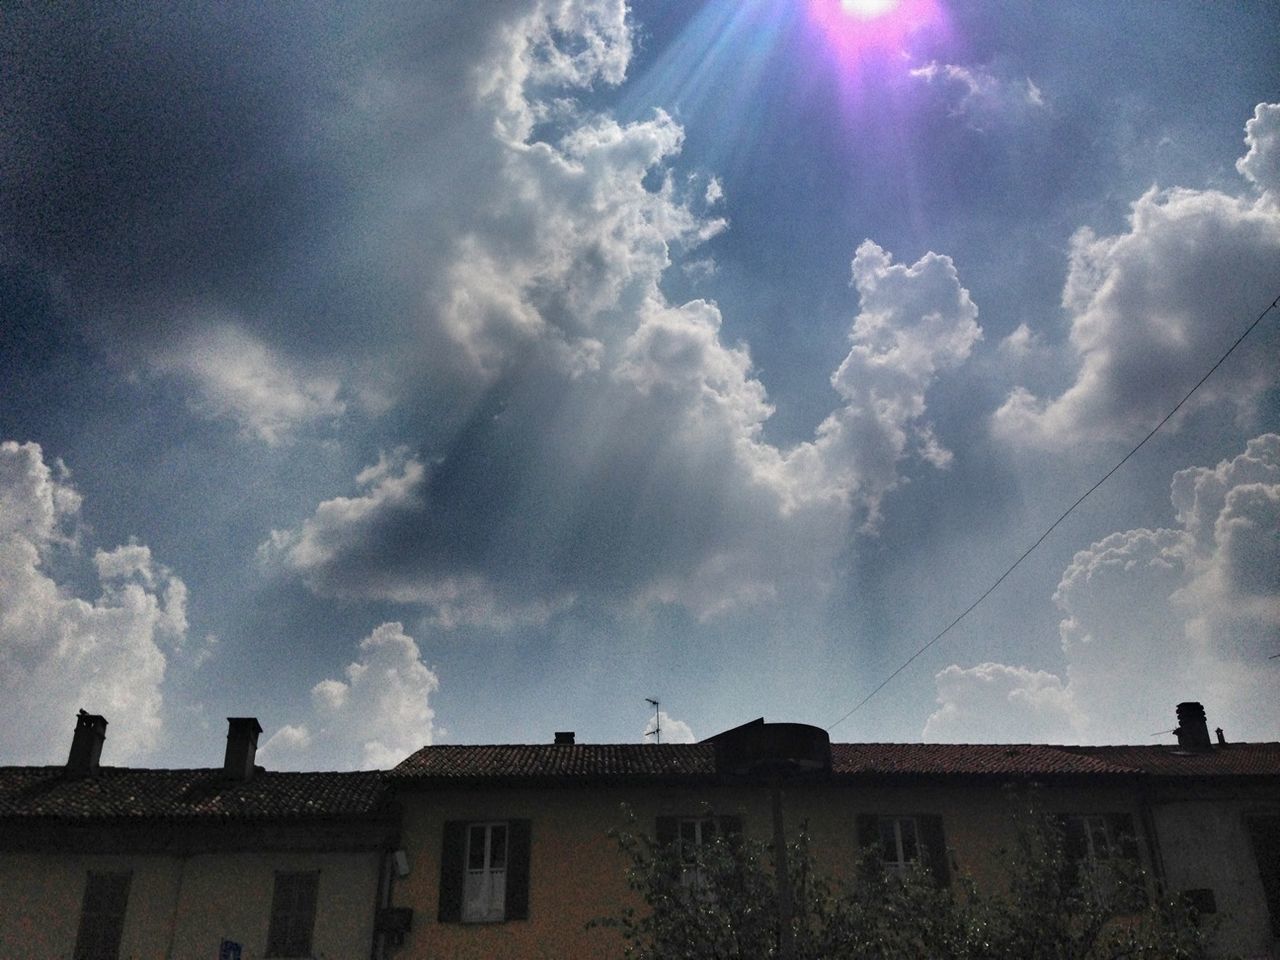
x=229 y=950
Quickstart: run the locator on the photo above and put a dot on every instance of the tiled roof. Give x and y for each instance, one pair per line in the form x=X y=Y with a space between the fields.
x=1229 y=760
x=586 y=760
x=45 y=792
x=965 y=759
x=634 y=761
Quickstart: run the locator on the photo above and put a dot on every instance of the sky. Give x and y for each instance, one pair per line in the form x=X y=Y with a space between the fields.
x=458 y=373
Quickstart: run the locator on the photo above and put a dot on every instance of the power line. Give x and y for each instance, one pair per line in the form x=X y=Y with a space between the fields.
x=1066 y=513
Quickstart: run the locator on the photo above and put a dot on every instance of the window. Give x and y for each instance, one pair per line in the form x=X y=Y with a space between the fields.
x=1100 y=851
x=484 y=885
x=484 y=871
x=106 y=895
x=692 y=835
x=293 y=914
x=899 y=842
x=903 y=840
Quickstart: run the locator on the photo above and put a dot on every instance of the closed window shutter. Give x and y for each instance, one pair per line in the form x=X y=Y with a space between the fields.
x=451 y=855
x=106 y=898
x=520 y=834
x=665 y=831
x=935 y=847
x=731 y=827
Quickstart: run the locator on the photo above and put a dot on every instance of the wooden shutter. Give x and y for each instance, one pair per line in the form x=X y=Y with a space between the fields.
x=935 y=847
x=730 y=828
x=519 y=837
x=106 y=897
x=293 y=914
x=452 y=848
x=666 y=830
x=868 y=830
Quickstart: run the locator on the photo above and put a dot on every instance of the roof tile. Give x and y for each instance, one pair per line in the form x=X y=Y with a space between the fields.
x=206 y=793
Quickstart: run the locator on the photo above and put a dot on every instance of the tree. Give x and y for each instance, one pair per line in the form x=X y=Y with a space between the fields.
x=720 y=900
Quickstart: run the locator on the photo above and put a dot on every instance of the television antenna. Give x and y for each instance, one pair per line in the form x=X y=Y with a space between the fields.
x=656 y=732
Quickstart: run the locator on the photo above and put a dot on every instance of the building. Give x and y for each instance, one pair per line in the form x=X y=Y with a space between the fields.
x=236 y=862
x=503 y=851
x=508 y=856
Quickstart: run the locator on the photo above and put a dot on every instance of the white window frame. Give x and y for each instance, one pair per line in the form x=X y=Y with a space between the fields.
x=896 y=858
x=484 y=888
x=705 y=830
x=1095 y=828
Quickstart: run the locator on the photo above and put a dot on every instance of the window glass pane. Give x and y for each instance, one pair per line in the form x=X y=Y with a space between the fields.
x=888 y=840
x=475 y=846
x=910 y=847
x=1098 y=845
x=498 y=846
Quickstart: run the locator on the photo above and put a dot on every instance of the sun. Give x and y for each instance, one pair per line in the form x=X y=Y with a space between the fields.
x=868 y=9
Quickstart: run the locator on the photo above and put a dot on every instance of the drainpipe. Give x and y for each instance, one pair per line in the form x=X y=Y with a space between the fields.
x=1154 y=854
x=786 y=909
x=382 y=899
x=177 y=904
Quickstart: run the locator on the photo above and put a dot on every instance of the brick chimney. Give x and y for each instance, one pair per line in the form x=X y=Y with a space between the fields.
x=86 y=744
x=564 y=737
x=1193 y=729
x=242 y=747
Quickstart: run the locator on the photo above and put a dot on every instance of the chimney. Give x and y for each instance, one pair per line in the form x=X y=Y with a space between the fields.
x=564 y=737
x=86 y=744
x=1222 y=740
x=1193 y=729
x=242 y=746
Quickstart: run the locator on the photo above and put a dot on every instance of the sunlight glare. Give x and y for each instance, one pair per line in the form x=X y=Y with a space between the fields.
x=868 y=9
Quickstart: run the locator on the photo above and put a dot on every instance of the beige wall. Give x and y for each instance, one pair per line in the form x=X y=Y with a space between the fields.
x=182 y=907
x=1204 y=843
x=577 y=873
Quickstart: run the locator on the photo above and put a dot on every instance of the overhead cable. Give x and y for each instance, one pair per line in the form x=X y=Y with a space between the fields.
x=1066 y=513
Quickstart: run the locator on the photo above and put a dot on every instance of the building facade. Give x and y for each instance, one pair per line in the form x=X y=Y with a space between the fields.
x=503 y=851
x=106 y=863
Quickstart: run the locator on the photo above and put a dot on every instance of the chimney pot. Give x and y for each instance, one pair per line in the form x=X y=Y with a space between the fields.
x=1193 y=729
x=86 y=744
x=242 y=747
x=564 y=737
x=1222 y=741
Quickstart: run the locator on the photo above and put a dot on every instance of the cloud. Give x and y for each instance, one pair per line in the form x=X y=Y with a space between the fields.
x=372 y=719
x=1261 y=165
x=996 y=701
x=979 y=96
x=653 y=484
x=673 y=730
x=1151 y=308
x=613 y=451
x=1151 y=618
x=59 y=652
x=237 y=377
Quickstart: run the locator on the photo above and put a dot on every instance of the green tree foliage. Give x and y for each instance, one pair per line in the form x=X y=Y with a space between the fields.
x=721 y=901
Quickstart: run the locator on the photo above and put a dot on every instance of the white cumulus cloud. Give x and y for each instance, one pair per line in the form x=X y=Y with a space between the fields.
x=1152 y=618
x=1150 y=308
x=373 y=718
x=672 y=730
x=58 y=652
